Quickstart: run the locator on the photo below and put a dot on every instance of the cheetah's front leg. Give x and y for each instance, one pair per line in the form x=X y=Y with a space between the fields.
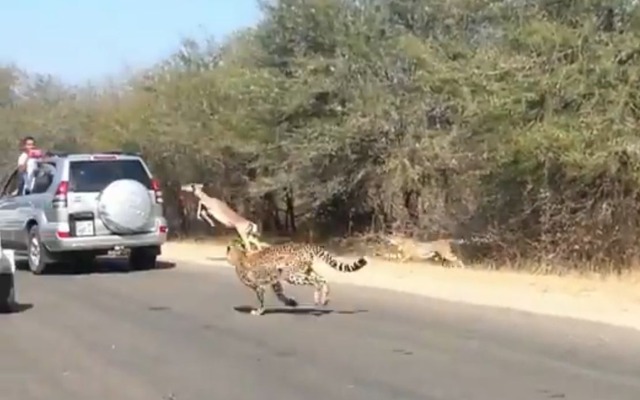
x=259 y=290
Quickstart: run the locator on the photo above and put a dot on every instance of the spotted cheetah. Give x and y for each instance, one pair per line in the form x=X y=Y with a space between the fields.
x=411 y=249
x=288 y=262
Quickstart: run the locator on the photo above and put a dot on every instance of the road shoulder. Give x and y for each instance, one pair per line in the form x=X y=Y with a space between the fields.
x=614 y=301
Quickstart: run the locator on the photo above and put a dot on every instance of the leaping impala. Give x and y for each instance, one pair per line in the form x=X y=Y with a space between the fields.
x=211 y=207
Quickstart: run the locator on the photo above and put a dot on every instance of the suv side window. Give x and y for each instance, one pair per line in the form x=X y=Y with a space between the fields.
x=11 y=186
x=44 y=176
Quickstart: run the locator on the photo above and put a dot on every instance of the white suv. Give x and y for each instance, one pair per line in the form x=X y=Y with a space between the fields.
x=82 y=206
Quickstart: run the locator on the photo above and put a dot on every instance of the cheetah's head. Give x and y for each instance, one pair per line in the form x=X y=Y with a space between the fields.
x=235 y=251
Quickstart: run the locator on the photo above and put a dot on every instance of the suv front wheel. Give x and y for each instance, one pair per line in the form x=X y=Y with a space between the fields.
x=36 y=251
x=7 y=293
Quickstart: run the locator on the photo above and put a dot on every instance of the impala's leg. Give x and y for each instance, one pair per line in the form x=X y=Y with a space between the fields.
x=204 y=214
x=199 y=210
x=256 y=242
x=245 y=240
x=201 y=214
x=209 y=219
x=246 y=233
x=252 y=234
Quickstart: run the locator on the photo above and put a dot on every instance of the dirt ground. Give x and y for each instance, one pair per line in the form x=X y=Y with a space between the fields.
x=609 y=300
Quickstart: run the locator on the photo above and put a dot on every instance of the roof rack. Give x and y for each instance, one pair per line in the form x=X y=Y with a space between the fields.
x=120 y=152
x=54 y=153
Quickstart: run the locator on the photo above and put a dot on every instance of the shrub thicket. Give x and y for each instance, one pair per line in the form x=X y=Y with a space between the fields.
x=509 y=119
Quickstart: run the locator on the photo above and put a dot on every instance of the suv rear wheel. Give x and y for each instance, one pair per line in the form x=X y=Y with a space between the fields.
x=143 y=258
x=36 y=251
x=83 y=261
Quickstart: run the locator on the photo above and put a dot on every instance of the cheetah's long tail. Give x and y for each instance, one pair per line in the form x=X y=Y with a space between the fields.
x=337 y=265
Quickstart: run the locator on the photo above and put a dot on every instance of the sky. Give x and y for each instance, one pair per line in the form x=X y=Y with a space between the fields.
x=77 y=40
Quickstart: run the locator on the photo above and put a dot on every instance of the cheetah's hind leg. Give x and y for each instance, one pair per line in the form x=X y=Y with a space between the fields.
x=311 y=278
x=284 y=299
x=321 y=294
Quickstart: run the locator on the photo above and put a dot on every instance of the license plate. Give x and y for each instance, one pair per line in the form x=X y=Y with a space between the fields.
x=84 y=228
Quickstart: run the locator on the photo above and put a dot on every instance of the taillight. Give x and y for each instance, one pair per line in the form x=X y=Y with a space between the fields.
x=60 y=197
x=157 y=190
x=63 y=234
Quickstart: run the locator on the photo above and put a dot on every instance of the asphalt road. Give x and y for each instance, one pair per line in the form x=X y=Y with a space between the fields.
x=174 y=334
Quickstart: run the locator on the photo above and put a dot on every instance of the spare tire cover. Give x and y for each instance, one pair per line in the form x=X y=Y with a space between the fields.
x=125 y=206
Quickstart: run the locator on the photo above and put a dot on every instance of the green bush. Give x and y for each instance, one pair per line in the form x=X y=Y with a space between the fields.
x=512 y=120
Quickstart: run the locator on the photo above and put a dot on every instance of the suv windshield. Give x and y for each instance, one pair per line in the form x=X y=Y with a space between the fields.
x=93 y=176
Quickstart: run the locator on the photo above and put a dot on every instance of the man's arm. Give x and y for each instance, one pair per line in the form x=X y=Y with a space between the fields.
x=22 y=162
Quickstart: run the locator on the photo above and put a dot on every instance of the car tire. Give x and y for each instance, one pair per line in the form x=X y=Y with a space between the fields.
x=37 y=254
x=7 y=293
x=142 y=259
x=126 y=207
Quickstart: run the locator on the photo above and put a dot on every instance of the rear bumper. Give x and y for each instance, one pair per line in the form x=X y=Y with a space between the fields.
x=7 y=262
x=55 y=244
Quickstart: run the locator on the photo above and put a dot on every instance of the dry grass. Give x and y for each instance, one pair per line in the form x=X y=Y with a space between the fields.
x=626 y=285
x=373 y=247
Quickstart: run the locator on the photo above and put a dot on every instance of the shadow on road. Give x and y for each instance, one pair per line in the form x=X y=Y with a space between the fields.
x=314 y=312
x=102 y=265
x=15 y=308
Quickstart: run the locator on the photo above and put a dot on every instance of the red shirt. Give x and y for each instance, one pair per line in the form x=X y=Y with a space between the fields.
x=35 y=153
